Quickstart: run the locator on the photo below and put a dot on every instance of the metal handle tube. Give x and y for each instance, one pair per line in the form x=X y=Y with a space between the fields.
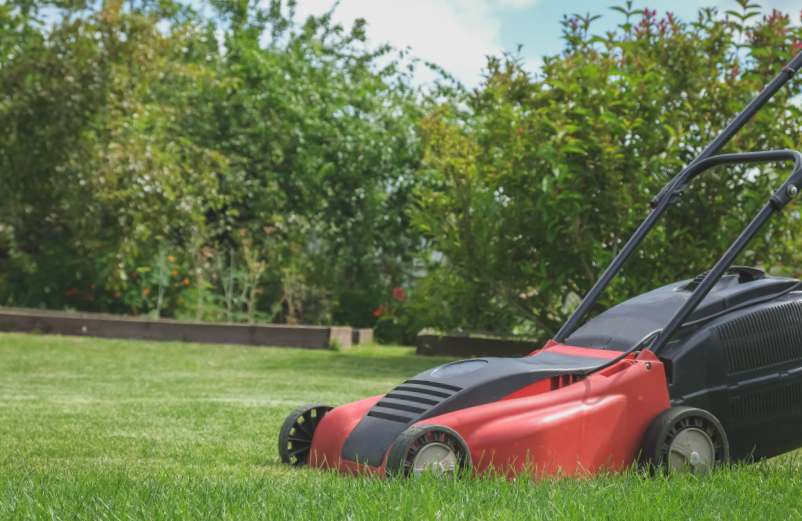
x=764 y=156
x=661 y=201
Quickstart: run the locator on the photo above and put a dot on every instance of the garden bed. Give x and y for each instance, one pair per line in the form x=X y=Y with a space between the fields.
x=138 y=328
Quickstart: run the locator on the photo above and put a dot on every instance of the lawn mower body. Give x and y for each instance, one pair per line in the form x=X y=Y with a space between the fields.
x=685 y=376
x=515 y=415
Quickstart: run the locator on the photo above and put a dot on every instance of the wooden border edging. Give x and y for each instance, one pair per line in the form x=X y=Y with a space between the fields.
x=471 y=346
x=114 y=326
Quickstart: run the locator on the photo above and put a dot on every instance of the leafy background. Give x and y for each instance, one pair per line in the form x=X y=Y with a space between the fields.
x=229 y=161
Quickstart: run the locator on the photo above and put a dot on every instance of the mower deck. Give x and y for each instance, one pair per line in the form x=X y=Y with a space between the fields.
x=528 y=413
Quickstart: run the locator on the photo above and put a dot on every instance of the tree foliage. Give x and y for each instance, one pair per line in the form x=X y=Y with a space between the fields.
x=534 y=182
x=236 y=165
x=225 y=160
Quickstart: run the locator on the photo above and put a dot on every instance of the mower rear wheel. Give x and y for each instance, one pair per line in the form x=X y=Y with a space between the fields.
x=685 y=439
x=432 y=449
x=295 y=437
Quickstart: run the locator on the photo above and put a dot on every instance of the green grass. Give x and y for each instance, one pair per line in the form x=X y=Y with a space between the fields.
x=98 y=429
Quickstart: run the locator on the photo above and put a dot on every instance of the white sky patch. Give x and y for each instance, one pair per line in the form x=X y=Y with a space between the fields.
x=458 y=35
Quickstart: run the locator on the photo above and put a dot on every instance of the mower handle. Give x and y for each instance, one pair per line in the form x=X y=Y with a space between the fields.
x=658 y=338
x=722 y=139
x=787 y=191
x=780 y=197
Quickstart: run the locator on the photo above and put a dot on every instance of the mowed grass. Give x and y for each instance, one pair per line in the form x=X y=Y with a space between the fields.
x=99 y=429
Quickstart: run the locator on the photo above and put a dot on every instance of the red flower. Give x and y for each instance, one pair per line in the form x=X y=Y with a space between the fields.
x=379 y=311
x=399 y=294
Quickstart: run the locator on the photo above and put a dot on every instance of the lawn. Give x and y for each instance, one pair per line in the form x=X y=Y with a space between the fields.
x=99 y=429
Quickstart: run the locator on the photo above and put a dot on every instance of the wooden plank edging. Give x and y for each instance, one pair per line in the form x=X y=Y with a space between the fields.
x=113 y=326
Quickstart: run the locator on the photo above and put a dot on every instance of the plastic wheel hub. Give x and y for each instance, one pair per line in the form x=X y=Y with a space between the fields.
x=434 y=449
x=692 y=449
x=437 y=458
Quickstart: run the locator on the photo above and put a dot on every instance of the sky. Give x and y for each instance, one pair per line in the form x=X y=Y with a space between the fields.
x=459 y=34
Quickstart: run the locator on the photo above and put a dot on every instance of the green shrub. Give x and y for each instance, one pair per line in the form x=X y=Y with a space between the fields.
x=532 y=183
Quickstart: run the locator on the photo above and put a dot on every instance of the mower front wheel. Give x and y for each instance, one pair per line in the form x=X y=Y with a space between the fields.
x=685 y=439
x=295 y=437
x=434 y=449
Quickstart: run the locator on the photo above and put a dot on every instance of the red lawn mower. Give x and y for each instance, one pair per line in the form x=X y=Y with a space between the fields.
x=683 y=377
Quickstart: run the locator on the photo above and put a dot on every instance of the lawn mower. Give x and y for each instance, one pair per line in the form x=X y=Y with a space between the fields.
x=681 y=378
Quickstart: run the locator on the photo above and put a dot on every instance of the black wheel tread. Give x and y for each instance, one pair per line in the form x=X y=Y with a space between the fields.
x=409 y=442
x=295 y=436
x=665 y=427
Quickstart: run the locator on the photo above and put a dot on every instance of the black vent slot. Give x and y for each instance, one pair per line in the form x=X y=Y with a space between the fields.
x=412 y=399
x=452 y=388
x=759 y=404
x=419 y=389
x=400 y=407
x=763 y=338
x=386 y=416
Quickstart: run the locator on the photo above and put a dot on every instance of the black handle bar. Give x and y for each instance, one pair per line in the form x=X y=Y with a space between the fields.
x=657 y=339
x=695 y=169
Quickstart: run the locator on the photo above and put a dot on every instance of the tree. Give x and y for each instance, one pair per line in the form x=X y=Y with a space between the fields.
x=242 y=165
